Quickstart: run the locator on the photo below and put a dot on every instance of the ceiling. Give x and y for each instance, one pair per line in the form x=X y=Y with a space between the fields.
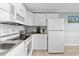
x=52 y=7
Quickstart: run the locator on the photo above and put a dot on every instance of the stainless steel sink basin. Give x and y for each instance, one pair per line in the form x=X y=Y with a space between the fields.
x=6 y=46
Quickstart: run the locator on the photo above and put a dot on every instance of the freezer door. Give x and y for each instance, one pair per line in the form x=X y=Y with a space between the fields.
x=55 y=24
x=55 y=41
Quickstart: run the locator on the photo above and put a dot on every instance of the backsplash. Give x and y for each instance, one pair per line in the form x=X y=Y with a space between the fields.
x=9 y=29
x=32 y=29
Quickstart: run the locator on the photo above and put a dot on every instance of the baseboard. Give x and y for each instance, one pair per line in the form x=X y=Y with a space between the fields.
x=71 y=45
x=58 y=52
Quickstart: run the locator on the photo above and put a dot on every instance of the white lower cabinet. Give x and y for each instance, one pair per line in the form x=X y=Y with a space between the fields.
x=18 y=51
x=40 y=42
x=35 y=42
x=28 y=47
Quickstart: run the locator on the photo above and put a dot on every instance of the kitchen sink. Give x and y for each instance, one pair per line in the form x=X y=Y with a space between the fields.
x=6 y=46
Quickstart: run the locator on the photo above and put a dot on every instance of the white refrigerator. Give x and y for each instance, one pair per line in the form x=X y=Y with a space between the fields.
x=55 y=35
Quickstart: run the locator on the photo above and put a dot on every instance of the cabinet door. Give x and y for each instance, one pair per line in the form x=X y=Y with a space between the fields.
x=18 y=51
x=25 y=15
x=6 y=13
x=19 y=8
x=40 y=42
x=19 y=14
x=43 y=42
x=39 y=19
x=5 y=6
x=4 y=16
x=30 y=18
x=35 y=42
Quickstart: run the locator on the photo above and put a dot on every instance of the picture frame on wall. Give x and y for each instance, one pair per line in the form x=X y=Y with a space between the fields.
x=73 y=19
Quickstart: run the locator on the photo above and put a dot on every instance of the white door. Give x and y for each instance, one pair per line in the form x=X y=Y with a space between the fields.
x=55 y=24
x=55 y=41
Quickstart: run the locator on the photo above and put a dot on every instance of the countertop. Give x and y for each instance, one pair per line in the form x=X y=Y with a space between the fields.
x=37 y=34
x=17 y=42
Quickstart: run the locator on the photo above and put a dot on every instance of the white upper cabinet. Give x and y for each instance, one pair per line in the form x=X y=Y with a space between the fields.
x=39 y=19
x=25 y=15
x=19 y=13
x=13 y=12
x=30 y=18
x=52 y=15
x=19 y=8
x=5 y=6
x=6 y=14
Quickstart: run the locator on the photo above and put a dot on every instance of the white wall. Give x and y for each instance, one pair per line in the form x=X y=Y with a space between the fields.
x=71 y=29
